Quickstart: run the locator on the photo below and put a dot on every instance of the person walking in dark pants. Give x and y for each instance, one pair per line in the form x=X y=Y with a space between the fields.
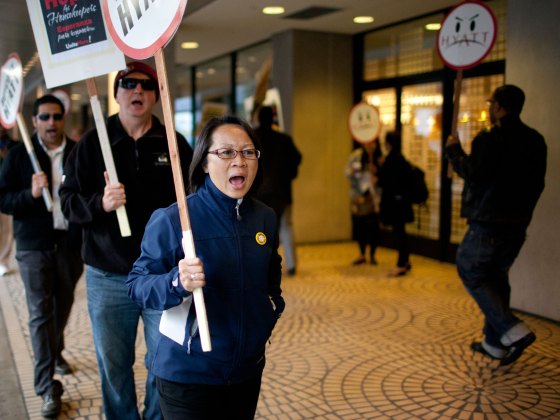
x=47 y=245
x=280 y=161
x=361 y=170
x=504 y=178
x=396 y=207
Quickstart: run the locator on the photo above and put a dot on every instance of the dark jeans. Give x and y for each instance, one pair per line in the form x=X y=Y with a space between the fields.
x=483 y=261
x=49 y=278
x=402 y=244
x=208 y=402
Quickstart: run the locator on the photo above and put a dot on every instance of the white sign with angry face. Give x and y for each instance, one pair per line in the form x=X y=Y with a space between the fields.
x=467 y=35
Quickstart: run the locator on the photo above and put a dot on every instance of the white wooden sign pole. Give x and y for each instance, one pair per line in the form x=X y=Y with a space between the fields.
x=106 y=151
x=188 y=242
x=141 y=35
x=11 y=95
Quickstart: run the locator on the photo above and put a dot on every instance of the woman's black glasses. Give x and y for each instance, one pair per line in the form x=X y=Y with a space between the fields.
x=251 y=154
x=46 y=116
x=131 y=83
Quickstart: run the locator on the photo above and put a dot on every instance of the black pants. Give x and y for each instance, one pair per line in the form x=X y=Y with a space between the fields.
x=402 y=244
x=365 y=230
x=49 y=278
x=208 y=402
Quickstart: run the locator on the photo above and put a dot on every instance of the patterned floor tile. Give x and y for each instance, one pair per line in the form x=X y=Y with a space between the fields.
x=353 y=343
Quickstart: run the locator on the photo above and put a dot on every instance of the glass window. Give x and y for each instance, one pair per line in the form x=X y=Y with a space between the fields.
x=421 y=114
x=410 y=48
x=472 y=118
x=213 y=90
x=184 y=112
x=250 y=64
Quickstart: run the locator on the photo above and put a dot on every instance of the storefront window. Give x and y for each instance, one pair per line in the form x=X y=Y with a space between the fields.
x=184 y=112
x=421 y=114
x=472 y=118
x=213 y=90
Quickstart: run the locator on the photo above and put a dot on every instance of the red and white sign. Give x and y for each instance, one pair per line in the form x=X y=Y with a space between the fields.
x=11 y=90
x=139 y=29
x=467 y=35
x=364 y=122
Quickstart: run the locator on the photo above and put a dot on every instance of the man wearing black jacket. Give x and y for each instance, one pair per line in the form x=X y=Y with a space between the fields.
x=47 y=245
x=280 y=160
x=504 y=177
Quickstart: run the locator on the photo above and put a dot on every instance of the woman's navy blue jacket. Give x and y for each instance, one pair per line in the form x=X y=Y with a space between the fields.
x=242 y=293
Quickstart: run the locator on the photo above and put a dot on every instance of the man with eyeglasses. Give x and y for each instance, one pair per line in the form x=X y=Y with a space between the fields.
x=140 y=151
x=504 y=178
x=47 y=245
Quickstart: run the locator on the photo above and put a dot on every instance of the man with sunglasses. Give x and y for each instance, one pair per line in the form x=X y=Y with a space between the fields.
x=504 y=177
x=47 y=245
x=139 y=145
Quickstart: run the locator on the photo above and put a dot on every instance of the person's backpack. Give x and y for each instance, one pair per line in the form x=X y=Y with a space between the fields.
x=417 y=189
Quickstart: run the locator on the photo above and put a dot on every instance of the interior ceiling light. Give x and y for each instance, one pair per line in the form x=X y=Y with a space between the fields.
x=273 y=10
x=189 y=45
x=363 y=19
x=433 y=26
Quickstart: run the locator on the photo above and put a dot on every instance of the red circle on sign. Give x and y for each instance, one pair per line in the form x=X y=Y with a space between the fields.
x=456 y=18
x=160 y=42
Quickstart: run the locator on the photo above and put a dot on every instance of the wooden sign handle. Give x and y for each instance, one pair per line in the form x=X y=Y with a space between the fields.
x=122 y=217
x=188 y=242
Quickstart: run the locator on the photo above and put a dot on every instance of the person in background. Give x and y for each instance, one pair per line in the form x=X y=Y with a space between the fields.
x=396 y=207
x=504 y=178
x=280 y=161
x=238 y=267
x=140 y=151
x=47 y=245
x=361 y=170
x=6 y=232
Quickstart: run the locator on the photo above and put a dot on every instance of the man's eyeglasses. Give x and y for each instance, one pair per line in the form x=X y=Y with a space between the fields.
x=131 y=83
x=250 y=154
x=46 y=116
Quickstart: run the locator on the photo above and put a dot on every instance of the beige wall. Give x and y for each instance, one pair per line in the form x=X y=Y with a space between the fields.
x=533 y=63
x=313 y=72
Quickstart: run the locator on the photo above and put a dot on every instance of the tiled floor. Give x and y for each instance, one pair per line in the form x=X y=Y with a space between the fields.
x=352 y=344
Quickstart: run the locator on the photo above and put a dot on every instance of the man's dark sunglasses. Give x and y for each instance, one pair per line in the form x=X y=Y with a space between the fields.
x=130 y=83
x=46 y=116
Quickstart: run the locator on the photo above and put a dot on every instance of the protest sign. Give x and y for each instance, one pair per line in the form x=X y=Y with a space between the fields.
x=364 y=122
x=11 y=94
x=466 y=37
x=140 y=32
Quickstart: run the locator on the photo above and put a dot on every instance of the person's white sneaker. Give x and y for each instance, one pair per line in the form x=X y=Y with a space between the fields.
x=3 y=270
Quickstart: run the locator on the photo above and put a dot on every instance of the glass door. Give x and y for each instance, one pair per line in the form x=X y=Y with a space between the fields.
x=421 y=117
x=472 y=118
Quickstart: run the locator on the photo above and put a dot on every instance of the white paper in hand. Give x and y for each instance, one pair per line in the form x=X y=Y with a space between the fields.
x=173 y=321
